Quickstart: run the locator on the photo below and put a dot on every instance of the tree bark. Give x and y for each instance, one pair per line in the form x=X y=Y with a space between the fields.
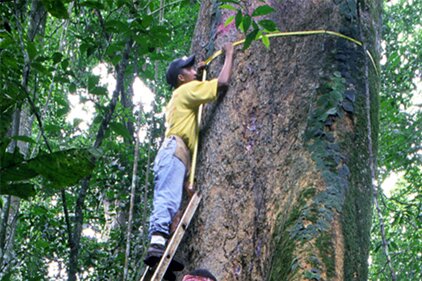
x=286 y=155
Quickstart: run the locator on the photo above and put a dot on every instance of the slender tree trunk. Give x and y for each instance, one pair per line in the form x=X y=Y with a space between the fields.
x=21 y=126
x=80 y=203
x=135 y=181
x=286 y=155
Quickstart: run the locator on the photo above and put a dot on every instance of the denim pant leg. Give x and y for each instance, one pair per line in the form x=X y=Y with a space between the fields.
x=169 y=174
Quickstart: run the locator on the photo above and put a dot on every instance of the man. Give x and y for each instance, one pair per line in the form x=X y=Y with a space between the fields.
x=199 y=275
x=172 y=162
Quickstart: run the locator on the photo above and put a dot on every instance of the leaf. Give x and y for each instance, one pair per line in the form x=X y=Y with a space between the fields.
x=117 y=26
x=228 y=7
x=64 y=64
x=56 y=8
x=72 y=87
x=230 y=1
x=31 y=49
x=146 y=21
x=269 y=25
x=93 y=81
x=23 y=138
x=265 y=41
x=262 y=10
x=120 y=129
x=249 y=38
x=57 y=57
x=63 y=168
x=238 y=19
x=17 y=172
x=99 y=91
x=22 y=190
x=40 y=67
x=246 y=23
x=229 y=21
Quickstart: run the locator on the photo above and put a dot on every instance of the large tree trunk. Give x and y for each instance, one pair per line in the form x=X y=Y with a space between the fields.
x=286 y=162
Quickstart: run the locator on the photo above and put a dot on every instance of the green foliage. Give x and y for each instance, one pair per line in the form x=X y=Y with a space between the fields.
x=399 y=144
x=252 y=25
x=60 y=169
x=403 y=228
x=74 y=39
x=56 y=8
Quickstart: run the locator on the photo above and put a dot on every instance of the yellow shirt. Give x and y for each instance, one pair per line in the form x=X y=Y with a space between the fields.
x=182 y=110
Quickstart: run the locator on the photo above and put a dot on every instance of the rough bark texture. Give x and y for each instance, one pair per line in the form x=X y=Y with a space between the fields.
x=284 y=159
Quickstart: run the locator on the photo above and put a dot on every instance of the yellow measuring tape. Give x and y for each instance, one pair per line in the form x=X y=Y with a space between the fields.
x=195 y=150
x=301 y=33
x=269 y=35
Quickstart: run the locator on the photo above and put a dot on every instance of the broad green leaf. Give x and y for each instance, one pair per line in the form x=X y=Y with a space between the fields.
x=56 y=8
x=72 y=88
x=228 y=7
x=62 y=79
x=117 y=26
x=63 y=168
x=268 y=25
x=99 y=91
x=57 y=57
x=262 y=10
x=265 y=41
x=246 y=23
x=230 y=1
x=21 y=190
x=249 y=38
x=17 y=172
x=120 y=129
x=62 y=111
x=229 y=20
x=117 y=46
x=10 y=159
x=40 y=68
x=76 y=122
x=52 y=128
x=23 y=138
x=64 y=64
x=238 y=19
x=93 y=81
x=146 y=21
x=32 y=50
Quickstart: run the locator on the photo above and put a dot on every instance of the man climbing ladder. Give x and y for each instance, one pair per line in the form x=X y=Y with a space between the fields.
x=172 y=162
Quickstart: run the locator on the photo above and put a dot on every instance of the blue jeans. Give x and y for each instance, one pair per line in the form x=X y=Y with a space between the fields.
x=169 y=175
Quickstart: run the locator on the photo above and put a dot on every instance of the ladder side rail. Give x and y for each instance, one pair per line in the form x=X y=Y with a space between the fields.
x=177 y=237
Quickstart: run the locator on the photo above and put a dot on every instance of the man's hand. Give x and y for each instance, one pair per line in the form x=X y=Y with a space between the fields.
x=228 y=48
x=200 y=70
x=225 y=73
x=201 y=66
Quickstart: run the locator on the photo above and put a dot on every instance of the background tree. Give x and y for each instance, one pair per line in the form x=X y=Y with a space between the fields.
x=399 y=146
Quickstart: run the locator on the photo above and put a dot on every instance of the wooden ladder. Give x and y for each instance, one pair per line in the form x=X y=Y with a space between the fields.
x=157 y=273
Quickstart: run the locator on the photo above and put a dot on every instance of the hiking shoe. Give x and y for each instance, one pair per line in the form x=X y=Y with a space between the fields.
x=154 y=254
x=169 y=276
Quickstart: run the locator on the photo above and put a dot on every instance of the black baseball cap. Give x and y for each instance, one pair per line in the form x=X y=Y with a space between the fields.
x=176 y=66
